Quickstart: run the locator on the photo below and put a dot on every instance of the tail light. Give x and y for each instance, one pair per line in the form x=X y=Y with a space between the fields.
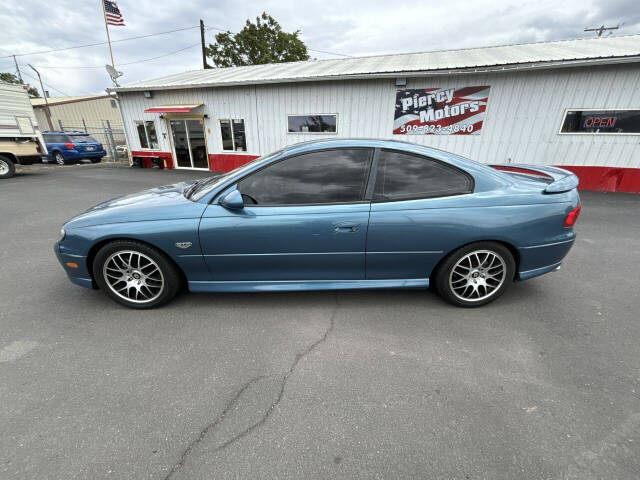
x=572 y=216
x=69 y=146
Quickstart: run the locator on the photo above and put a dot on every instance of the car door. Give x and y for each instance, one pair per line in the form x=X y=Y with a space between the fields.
x=304 y=218
x=414 y=204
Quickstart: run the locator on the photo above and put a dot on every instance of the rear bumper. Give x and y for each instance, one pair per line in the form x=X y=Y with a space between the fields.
x=537 y=260
x=80 y=275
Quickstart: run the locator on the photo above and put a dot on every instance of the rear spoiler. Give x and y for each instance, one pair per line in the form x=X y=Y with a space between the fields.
x=561 y=180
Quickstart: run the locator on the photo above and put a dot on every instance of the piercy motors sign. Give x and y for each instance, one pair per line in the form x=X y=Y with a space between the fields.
x=440 y=111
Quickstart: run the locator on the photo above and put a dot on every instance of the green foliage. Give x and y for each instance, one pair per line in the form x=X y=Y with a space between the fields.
x=11 y=78
x=256 y=44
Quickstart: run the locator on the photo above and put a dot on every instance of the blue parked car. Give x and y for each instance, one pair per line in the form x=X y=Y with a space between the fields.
x=66 y=148
x=330 y=214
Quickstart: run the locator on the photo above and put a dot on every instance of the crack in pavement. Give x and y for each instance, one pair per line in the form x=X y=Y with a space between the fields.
x=234 y=400
x=210 y=426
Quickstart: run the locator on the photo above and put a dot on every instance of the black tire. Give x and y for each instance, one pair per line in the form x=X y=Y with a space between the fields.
x=7 y=168
x=96 y=160
x=444 y=277
x=170 y=275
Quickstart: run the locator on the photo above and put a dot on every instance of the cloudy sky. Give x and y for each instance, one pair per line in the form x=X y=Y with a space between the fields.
x=356 y=27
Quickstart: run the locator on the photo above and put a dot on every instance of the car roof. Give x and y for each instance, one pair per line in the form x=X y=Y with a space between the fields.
x=64 y=133
x=407 y=147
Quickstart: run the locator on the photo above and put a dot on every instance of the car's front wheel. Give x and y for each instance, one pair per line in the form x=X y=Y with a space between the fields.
x=475 y=274
x=135 y=274
x=96 y=160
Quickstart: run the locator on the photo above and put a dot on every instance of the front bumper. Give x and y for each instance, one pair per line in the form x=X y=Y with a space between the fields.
x=79 y=275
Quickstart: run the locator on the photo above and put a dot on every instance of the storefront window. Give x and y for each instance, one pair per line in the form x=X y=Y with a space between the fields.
x=147 y=134
x=233 y=135
x=312 y=123
x=602 y=121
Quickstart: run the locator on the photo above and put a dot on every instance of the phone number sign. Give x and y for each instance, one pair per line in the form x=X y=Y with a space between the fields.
x=440 y=111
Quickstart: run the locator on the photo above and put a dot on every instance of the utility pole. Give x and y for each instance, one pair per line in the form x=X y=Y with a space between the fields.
x=18 y=69
x=204 y=49
x=601 y=29
x=46 y=100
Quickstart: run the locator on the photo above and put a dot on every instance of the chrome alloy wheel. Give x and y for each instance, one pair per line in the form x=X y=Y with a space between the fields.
x=59 y=159
x=4 y=167
x=477 y=275
x=133 y=276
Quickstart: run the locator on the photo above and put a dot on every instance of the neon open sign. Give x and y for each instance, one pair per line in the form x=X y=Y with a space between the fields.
x=600 y=122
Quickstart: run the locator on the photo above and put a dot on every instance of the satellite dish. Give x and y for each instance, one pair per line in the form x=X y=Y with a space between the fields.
x=113 y=73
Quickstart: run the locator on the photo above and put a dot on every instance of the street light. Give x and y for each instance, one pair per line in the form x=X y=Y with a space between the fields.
x=44 y=94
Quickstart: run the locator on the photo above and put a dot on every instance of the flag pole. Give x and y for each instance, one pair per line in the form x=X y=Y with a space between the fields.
x=106 y=26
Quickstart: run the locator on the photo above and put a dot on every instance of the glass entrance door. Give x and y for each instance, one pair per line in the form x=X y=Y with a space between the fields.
x=189 y=143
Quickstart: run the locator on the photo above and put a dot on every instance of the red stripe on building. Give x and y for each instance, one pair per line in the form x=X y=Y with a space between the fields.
x=225 y=162
x=606 y=179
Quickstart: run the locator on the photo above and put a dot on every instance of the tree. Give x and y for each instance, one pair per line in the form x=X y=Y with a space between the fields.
x=11 y=78
x=256 y=44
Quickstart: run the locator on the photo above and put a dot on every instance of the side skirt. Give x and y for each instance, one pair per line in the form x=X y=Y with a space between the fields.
x=292 y=285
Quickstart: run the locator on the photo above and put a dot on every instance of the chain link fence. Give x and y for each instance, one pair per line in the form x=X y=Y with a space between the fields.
x=113 y=139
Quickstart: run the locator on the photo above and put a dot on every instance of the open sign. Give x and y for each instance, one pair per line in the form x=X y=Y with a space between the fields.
x=600 y=122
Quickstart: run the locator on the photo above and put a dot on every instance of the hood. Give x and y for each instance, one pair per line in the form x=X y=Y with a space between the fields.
x=160 y=203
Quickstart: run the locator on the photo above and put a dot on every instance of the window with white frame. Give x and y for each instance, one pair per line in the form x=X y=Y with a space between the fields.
x=601 y=121
x=317 y=123
x=233 y=135
x=147 y=134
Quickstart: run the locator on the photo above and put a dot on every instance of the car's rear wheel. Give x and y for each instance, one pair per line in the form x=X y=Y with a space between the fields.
x=7 y=168
x=476 y=274
x=59 y=158
x=96 y=160
x=135 y=274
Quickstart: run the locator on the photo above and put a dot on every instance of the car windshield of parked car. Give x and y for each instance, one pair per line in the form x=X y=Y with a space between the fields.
x=206 y=185
x=319 y=177
x=82 y=139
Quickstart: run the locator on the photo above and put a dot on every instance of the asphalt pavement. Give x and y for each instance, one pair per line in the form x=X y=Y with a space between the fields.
x=542 y=384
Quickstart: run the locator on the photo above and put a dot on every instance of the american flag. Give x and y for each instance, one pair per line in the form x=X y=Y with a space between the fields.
x=112 y=13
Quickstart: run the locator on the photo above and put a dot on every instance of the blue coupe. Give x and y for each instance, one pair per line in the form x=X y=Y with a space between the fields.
x=330 y=214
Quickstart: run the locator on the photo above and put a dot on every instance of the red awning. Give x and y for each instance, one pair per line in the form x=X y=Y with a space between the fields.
x=186 y=108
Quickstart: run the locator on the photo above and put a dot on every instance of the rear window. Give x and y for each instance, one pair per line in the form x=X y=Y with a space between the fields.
x=82 y=139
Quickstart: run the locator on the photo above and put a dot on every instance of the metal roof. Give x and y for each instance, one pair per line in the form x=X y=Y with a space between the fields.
x=37 y=102
x=563 y=53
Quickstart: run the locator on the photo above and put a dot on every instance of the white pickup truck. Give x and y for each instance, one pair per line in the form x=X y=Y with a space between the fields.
x=20 y=139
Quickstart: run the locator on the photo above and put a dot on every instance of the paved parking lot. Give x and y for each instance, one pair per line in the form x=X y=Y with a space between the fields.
x=544 y=383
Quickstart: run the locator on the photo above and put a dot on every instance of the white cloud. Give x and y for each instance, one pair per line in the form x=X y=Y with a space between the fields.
x=357 y=27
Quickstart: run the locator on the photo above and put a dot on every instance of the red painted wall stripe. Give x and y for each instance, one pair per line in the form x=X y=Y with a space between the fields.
x=606 y=179
x=225 y=162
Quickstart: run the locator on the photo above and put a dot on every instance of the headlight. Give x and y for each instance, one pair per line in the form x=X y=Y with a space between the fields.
x=62 y=235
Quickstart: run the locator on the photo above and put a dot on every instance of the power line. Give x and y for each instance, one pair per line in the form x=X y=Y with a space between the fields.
x=121 y=64
x=98 y=43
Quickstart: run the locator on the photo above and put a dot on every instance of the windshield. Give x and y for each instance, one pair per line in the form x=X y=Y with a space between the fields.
x=82 y=139
x=203 y=187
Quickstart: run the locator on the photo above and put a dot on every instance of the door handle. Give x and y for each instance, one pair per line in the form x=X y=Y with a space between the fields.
x=346 y=227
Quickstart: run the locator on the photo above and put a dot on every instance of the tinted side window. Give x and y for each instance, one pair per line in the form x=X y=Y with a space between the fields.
x=55 y=138
x=329 y=176
x=403 y=176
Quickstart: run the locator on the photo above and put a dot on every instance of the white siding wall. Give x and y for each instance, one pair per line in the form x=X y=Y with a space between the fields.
x=524 y=114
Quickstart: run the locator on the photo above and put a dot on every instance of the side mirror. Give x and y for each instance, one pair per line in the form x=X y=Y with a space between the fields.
x=232 y=200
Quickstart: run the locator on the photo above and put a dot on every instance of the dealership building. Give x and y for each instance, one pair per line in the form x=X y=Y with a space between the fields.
x=574 y=104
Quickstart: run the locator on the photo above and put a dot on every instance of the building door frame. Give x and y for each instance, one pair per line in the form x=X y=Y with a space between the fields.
x=184 y=118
